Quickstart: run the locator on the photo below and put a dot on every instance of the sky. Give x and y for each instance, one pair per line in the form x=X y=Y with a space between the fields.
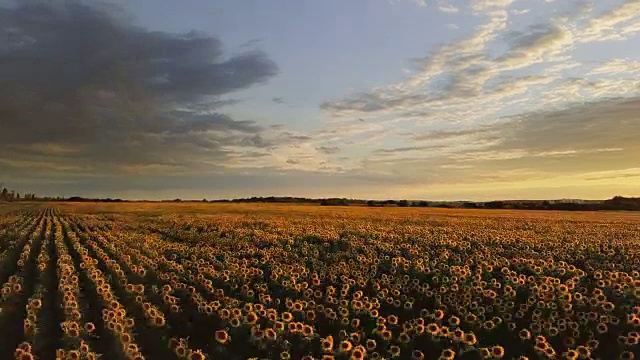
x=374 y=99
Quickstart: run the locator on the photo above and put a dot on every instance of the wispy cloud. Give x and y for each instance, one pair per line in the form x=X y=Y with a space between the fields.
x=420 y=3
x=617 y=23
x=615 y=174
x=506 y=98
x=520 y=12
x=617 y=66
x=329 y=150
x=448 y=8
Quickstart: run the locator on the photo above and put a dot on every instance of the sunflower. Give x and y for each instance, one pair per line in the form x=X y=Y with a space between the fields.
x=404 y=338
x=221 y=336
x=497 y=351
x=270 y=334
x=370 y=344
x=627 y=355
x=394 y=350
x=571 y=354
x=235 y=322
x=386 y=335
x=327 y=344
x=250 y=318
x=345 y=346
x=279 y=326
x=583 y=351
x=470 y=339
x=358 y=353
x=158 y=321
x=524 y=334
x=433 y=329
x=89 y=327
x=454 y=321
x=447 y=354
x=307 y=330
x=602 y=328
x=355 y=323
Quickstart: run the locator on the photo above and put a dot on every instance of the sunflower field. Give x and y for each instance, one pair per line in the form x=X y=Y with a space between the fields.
x=147 y=281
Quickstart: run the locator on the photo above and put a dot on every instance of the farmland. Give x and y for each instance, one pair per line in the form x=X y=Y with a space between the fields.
x=236 y=281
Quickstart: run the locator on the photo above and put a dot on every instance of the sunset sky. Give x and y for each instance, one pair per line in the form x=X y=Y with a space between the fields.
x=376 y=99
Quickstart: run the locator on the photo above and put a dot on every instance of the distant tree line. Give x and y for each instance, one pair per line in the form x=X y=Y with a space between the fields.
x=82 y=199
x=615 y=203
x=293 y=199
x=400 y=203
x=11 y=195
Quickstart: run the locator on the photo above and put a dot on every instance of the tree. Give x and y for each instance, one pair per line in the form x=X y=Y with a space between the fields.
x=494 y=205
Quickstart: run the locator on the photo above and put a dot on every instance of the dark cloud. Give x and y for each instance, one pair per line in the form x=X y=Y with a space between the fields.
x=407 y=149
x=535 y=36
x=83 y=80
x=278 y=100
x=220 y=103
x=525 y=47
x=286 y=135
x=329 y=150
x=187 y=122
x=612 y=123
x=251 y=43
x=372 y=102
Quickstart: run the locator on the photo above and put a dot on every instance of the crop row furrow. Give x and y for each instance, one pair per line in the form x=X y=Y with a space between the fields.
x=115 y=323
x=129 y=287
x=18 y=289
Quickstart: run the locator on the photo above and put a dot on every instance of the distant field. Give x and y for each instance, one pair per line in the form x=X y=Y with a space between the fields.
x=7 y=207
x=234 y=281
x=159 y=208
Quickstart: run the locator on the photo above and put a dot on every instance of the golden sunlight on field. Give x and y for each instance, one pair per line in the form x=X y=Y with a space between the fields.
x=238 y=281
